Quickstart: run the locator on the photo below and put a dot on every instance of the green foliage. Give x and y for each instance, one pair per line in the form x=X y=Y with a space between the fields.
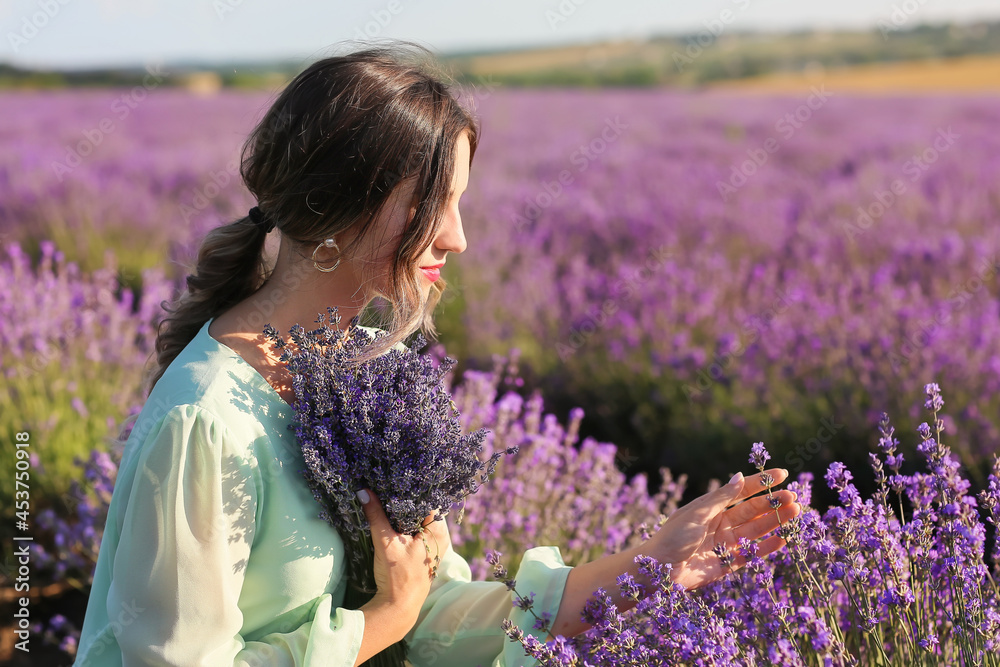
x=40 y=401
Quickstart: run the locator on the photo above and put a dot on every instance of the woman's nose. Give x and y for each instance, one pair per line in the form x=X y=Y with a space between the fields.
x=452 y=236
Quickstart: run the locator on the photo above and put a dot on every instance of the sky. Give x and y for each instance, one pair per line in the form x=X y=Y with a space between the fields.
x=75 y=34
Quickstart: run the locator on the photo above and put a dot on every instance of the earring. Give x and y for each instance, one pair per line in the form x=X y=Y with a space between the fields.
x=329 y=243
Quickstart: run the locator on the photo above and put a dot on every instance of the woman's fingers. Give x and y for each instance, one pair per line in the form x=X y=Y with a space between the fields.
x=427 y=521
x=381 y=529
x=435 y=532
x=753 y=484
x=704 y=507
x=438 y=529
x=763 y=525
x=755 y=507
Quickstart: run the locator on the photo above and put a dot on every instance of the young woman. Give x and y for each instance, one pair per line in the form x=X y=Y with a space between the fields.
x=214 y=553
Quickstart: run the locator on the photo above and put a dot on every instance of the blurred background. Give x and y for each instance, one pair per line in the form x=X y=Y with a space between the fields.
x=704 y=225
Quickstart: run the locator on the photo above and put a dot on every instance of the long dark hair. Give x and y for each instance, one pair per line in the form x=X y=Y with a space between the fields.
x=323 y=160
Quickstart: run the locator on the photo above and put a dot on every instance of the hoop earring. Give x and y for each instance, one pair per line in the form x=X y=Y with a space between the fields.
x=329 y=243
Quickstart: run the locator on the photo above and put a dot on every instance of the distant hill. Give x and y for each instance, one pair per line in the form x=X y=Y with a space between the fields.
x=703 y=58
x=964 y=74
x=714 y=55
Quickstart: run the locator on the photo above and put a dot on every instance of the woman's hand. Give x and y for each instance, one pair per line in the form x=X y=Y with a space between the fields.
x=685 y=541
x=689 y=535
x=403 y=568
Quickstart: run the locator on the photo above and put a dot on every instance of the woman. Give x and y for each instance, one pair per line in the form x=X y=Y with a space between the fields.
x=214 y=553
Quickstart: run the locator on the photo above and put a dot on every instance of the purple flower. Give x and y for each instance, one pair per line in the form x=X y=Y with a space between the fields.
x=934 y=402
x=526 y=602
x=629 y=587
x=758 y=455
x=543 y=622
x=838 y=476
x=924 y=431
x=722 y=551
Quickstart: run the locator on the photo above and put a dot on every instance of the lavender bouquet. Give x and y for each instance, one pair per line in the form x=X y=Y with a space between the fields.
x=388 y=424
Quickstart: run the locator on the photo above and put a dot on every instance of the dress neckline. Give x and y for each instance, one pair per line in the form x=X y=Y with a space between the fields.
x=240 y=360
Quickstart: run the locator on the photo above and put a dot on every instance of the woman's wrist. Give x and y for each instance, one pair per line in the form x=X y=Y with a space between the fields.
x=385 y=624
x=398 y=616
x=584 y=579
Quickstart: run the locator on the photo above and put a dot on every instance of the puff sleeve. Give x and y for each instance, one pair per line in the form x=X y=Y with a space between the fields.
x=178 y=570
x=459 y=623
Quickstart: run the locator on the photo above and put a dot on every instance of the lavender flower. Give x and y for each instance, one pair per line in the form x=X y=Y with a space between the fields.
x=934 y=402
x=838 y=476
x=759 y=456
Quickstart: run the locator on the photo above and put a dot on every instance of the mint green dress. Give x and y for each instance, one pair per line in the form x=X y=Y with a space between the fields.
x=213 y=553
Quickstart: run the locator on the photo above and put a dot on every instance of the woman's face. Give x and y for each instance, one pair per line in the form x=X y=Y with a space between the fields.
x=380 y=247
x=451 y=236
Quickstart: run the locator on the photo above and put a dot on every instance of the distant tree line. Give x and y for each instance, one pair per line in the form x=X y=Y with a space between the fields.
x=715 y=53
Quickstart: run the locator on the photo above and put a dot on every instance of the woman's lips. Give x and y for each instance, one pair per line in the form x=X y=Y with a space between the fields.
x=432 y=274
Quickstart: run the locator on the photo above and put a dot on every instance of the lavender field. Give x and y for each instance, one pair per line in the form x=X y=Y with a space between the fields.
x=793 y=300
x=696 y=271
x=690 y=268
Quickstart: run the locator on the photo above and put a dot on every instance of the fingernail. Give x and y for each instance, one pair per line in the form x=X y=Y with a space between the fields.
x=736 y=479
x=363 y=497
x=785 y=470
